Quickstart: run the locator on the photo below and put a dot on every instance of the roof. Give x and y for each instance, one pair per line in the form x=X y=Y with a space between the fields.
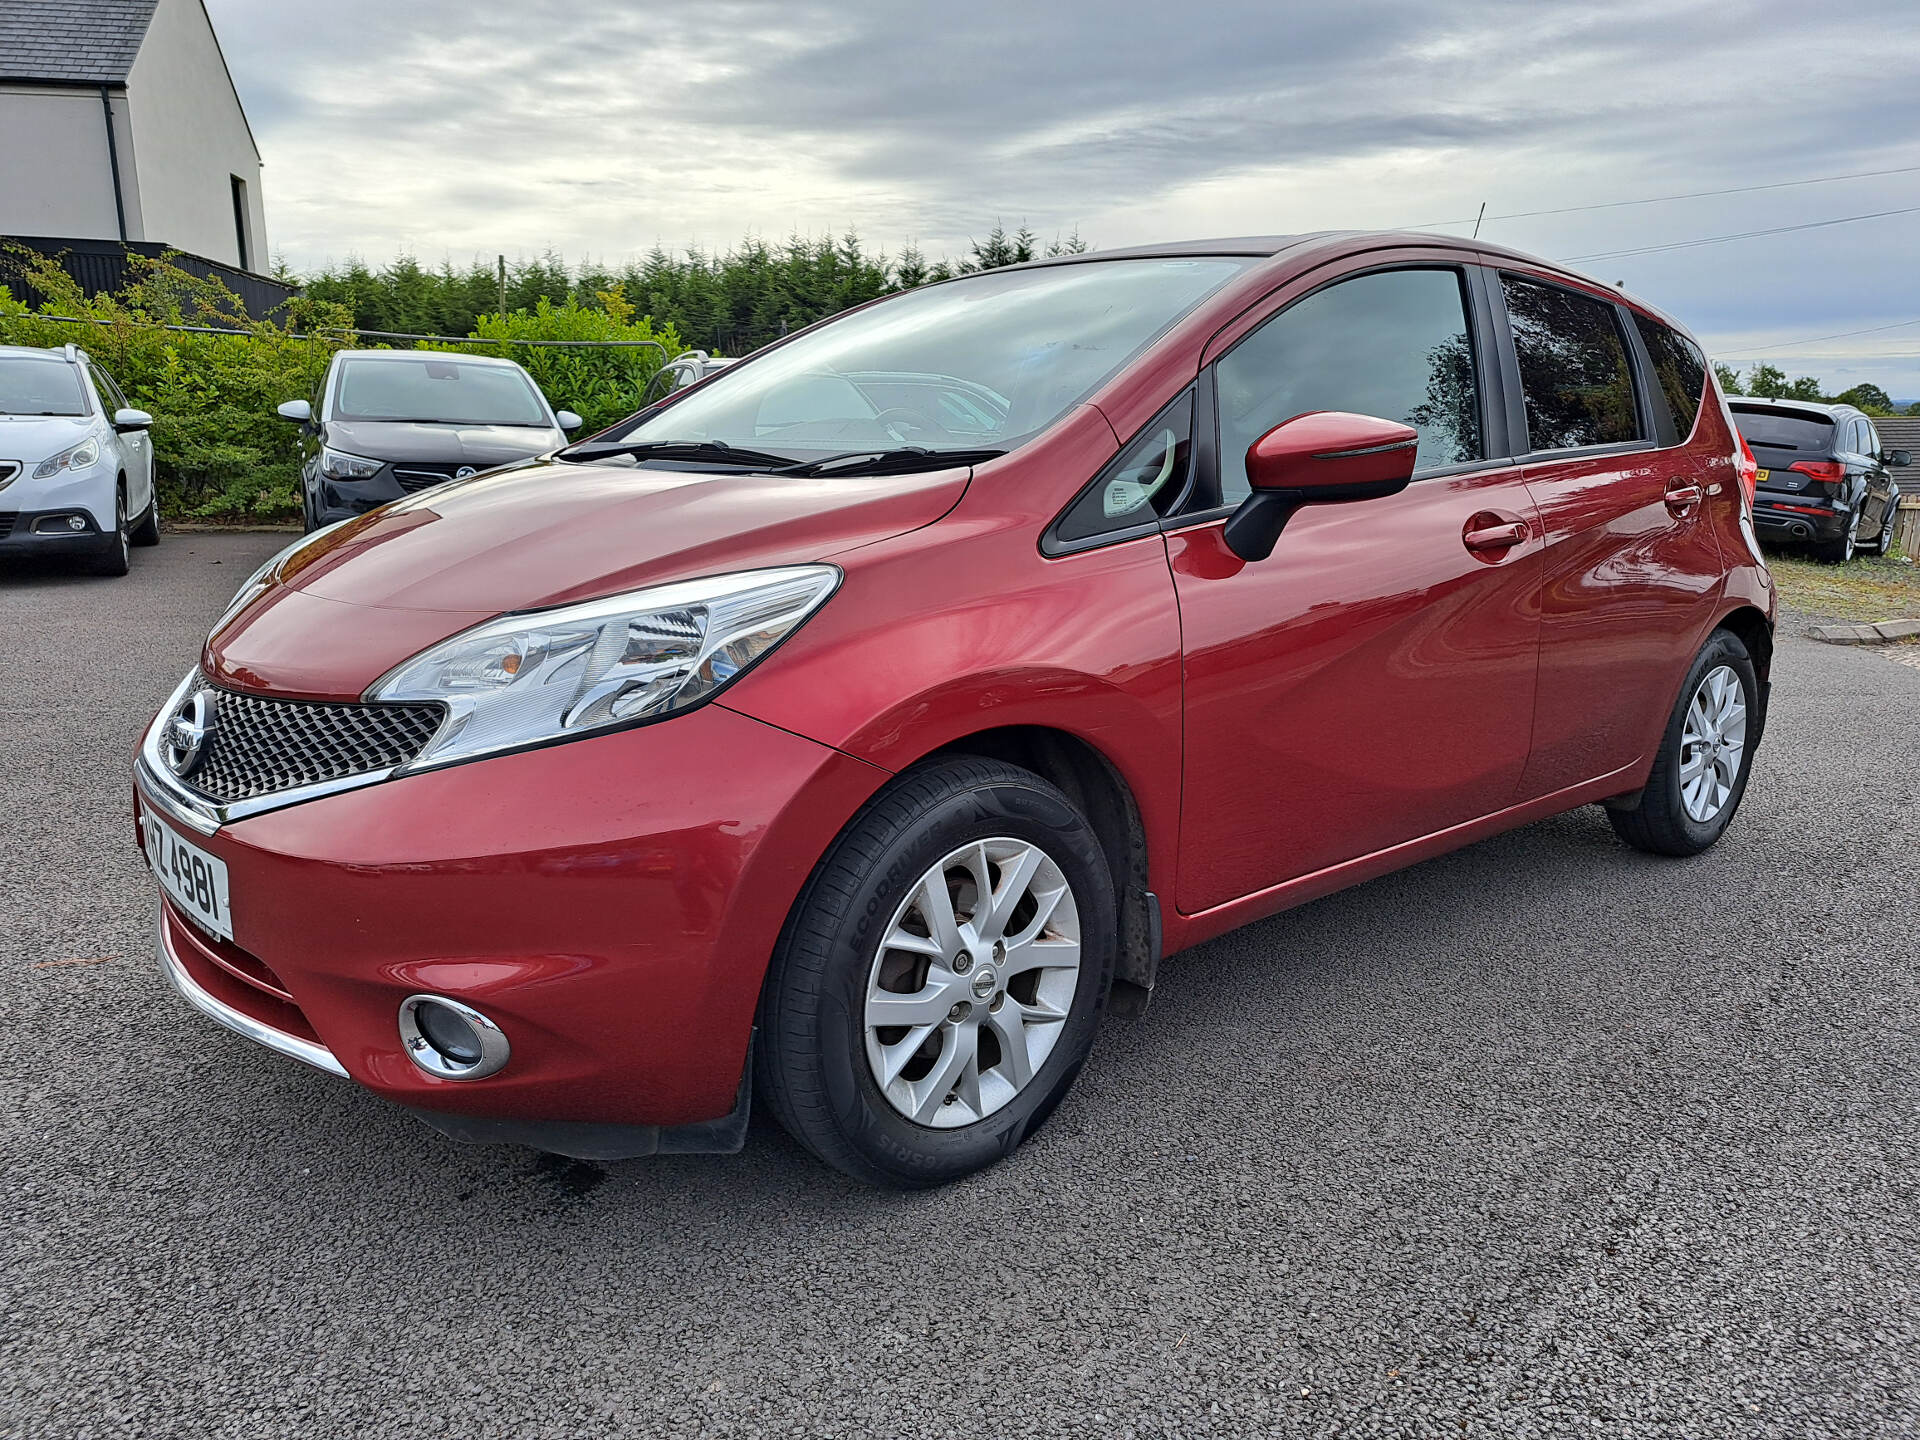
x=1819 y=407
x=417 y=356
x=72 y=42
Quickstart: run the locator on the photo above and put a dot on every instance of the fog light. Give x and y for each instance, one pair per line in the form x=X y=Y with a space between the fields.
x=56 y=524
x=450 y=1040
x=74 y=522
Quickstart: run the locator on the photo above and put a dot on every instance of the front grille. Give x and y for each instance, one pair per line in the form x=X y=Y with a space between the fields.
x=419 y=477
x=8 y=470
x=262 y=747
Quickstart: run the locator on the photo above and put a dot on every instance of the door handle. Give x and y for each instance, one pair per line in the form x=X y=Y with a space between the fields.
x=1499 y=536
x=1682 y=498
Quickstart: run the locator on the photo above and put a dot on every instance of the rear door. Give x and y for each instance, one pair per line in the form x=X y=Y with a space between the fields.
x=1876 y=507
x=1370 y=682
x=1631 y=567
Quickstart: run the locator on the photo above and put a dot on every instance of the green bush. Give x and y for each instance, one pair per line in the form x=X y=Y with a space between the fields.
x=220 y=451
x=600 y=385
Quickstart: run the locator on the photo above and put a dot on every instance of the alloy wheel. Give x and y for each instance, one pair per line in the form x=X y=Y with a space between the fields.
x=972 y=983
x=1713 y=739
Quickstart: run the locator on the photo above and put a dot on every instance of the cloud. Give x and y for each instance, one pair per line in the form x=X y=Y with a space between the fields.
x=463 y=128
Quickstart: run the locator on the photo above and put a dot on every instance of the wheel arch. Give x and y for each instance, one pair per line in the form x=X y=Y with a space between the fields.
x=1751 y=626
x=1099 y=790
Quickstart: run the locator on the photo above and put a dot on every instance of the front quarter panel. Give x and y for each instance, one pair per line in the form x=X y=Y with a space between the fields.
x=965 y=627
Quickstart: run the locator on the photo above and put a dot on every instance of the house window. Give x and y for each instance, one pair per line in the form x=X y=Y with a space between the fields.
x=240 y=221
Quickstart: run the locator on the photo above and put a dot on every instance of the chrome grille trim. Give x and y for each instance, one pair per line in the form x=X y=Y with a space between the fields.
x=262 y=747
x=411 y=478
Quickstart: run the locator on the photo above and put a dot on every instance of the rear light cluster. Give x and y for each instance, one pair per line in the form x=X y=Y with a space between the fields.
x=1749 y=471
x=1831 y=471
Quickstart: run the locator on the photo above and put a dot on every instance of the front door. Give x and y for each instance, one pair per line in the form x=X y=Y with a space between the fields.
x=1372 y=681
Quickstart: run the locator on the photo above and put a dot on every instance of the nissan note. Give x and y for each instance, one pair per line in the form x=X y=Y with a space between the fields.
x=855 y=727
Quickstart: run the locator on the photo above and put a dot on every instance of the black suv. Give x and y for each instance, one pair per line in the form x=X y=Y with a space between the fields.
x=386 y=423
x=1824 y=480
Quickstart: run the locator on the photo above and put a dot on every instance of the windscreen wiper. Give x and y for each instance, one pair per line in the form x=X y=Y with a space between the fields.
x=712 y=450
x=894 y=461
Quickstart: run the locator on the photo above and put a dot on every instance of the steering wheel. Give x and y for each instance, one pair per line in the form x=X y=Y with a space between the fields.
x=895 y=416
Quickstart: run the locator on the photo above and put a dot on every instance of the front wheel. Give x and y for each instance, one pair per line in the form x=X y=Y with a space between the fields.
x=1884 y=545
x=115 y=559
x=1700 y=774
x=941 y=979
x=147 y=530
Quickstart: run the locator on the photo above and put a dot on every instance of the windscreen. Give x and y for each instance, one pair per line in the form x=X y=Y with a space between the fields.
x=437 y=390
x=30 y=386
x=1807 y=436
x=984 y=361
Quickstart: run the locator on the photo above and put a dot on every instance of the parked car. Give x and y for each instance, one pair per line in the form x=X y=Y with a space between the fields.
x=782 y=740
x=76 y=461
x=1823 y=480
x=689 y=367
x=388 y=423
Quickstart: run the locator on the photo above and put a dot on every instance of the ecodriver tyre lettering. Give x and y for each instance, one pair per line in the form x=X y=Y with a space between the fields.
x=1677 y=813
x=817 y=1067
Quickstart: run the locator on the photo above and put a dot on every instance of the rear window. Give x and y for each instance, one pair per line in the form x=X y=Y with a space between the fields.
x=1574 y=374
x=1680 y=369
x=1784 y=430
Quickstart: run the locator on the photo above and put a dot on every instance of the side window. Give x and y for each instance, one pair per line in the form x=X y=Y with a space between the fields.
x=1143 y=480
x=1394 y=344
x=102 y=387
x=1872 y=440
x=1574 y=375
x=1680 y=369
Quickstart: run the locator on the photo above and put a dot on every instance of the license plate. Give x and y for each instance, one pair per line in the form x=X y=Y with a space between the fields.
x=1760 y=476
x=196 y=881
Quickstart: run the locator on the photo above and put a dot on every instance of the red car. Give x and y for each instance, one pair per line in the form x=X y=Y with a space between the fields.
x=852 y=727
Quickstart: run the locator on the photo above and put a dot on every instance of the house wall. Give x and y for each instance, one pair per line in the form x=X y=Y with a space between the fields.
x=55 y=178
x=193 y=138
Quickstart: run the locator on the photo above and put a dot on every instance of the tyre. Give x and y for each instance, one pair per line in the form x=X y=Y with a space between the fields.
x=1883 y=544
x=1838 y=552
x=115 y=559
x=147 y=530
x=1700 y=774
x=941 y=978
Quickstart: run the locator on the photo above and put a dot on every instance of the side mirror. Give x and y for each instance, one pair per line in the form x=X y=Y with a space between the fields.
x=128 y=420
x=1324 y=457
x=1899 y=457
x=569 y=421
x=298 y=411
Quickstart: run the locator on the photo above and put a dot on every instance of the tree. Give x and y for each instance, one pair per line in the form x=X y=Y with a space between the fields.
x=1767 y=380
x=1729 y=379
x=1804 y=387
x=1868 y=397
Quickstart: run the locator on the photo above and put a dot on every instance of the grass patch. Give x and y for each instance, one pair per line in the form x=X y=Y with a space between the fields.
x=1862 y=590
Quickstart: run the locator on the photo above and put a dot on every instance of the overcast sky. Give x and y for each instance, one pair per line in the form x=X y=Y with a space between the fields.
x=463 y=127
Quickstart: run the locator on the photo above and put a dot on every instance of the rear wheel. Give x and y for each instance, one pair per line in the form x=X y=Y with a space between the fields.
x=1700 y=774
x=1838 y=552
x=940 y=982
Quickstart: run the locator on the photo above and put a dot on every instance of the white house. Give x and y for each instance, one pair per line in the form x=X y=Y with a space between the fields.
x=119 y=121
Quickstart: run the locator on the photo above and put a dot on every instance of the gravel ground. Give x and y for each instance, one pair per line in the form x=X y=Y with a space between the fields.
x=1542 y=1138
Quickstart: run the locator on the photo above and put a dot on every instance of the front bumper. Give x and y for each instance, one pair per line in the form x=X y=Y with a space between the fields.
x=20 y=533
x=610 y=903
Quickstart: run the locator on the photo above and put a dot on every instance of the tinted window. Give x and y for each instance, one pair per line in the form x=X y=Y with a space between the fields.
x=31 y=386
x=110 y=397
x=1785 y=430
x=436 y=391
x=1142 y=482
x=1872 y=439
x=1014 y=349
x=1680 y=369
x=1393 y=345
x=1574 y=374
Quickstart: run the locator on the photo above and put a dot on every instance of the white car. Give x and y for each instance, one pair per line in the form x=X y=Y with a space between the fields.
x=76 y=461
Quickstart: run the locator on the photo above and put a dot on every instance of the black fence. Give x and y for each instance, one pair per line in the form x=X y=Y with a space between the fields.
x=101 y=267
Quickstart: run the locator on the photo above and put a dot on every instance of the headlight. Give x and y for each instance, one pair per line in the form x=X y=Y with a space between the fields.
x=559 y=674
x=74 y=457
x=338 y=465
